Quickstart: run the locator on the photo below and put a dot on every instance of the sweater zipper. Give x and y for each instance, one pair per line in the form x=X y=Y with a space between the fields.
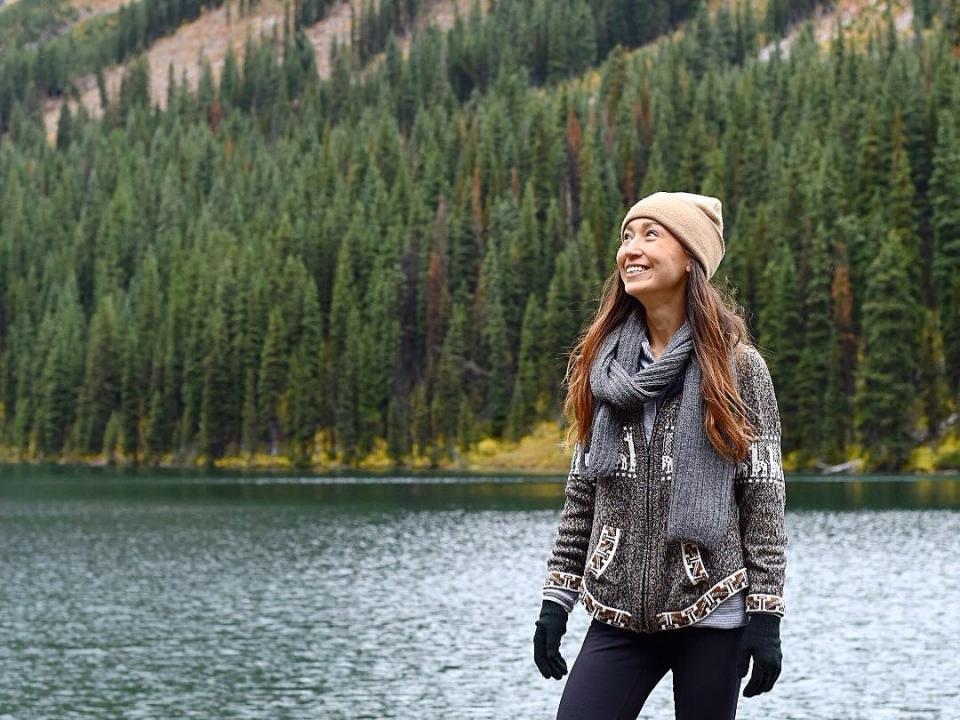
x=647 y=539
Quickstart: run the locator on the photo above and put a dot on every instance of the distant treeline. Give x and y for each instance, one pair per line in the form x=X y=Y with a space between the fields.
x=277 y=259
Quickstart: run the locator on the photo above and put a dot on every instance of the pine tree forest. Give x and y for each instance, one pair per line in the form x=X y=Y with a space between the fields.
x=396 y=260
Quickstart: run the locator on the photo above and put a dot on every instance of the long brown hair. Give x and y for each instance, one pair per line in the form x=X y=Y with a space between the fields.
x=718 y=326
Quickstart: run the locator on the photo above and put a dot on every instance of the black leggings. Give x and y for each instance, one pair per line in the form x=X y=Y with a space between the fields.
x=617 y=670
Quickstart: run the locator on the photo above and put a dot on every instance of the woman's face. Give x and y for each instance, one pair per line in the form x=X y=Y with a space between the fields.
x=646 y=242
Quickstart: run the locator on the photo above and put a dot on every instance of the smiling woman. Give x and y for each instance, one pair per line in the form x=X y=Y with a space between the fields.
x=672 y=531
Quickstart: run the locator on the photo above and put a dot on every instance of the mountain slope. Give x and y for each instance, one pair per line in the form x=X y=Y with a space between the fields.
x=213 y=33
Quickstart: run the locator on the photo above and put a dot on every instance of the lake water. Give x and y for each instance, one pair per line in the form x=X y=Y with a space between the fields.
x=215 y=596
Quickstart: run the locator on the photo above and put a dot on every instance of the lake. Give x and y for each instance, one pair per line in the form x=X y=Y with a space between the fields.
x=177 y=594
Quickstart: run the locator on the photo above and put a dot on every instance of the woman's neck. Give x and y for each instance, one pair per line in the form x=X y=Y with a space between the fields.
x=662 y=324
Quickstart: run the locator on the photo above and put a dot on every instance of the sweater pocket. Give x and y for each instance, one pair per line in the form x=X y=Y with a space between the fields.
x=606 y=548
x=694 y=568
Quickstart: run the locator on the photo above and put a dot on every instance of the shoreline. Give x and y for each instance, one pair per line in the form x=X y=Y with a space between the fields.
x=538 y=454
x=233 y=464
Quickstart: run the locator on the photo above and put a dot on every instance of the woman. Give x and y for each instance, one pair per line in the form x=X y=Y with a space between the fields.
x=672 y=531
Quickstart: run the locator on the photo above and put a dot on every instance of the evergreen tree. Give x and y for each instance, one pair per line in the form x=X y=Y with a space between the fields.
x=273 y=379
x=498 y=357
x=524 y=403
x=131 y=391
x=445 y=408
x=59 y=377
x=306 y=381
x=780 y=327
x=815 y=366
x=100 y=390
x=945 y=205
x=887 y=399
x=64 y=127
x=212 y=438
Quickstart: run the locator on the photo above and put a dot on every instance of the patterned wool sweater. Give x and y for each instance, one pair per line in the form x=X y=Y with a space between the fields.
x=731 y=612
x=611 y=550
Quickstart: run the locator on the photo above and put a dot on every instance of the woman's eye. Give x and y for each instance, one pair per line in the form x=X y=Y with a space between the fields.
x=628 y=238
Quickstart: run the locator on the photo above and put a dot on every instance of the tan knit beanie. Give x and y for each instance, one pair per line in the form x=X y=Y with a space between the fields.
x=695 y=220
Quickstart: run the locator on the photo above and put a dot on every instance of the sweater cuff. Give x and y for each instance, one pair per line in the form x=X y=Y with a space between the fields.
x=563 y=588
x=563 y=581
x=765 y=603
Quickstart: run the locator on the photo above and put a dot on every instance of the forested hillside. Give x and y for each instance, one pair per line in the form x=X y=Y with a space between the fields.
x=394 y=260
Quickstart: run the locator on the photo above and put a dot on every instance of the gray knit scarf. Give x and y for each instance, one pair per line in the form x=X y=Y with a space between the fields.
x=702 y=478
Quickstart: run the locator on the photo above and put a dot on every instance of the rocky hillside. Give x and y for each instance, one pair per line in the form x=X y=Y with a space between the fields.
x=213 y=33
x=858 y=18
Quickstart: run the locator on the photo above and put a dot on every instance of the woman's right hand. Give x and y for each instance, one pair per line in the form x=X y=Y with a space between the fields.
x=546 y=640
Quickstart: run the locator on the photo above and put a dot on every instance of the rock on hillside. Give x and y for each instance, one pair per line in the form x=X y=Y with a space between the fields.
x=858 y=18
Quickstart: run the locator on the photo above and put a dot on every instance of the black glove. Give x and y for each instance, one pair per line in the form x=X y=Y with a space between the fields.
x=546 y=640
x=761 y=639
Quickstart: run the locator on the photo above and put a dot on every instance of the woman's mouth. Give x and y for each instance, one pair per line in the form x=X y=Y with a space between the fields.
x=635 y=271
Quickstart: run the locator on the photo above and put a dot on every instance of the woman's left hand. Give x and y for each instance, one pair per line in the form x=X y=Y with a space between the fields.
x=761 y=640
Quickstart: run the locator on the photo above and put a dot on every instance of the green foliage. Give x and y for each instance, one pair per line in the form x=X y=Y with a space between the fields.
x=887 y=394
x=31 y=21
x=407 y=252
